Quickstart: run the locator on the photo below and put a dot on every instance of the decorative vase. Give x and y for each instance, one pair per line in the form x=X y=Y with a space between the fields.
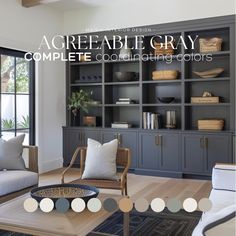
x=125 y=52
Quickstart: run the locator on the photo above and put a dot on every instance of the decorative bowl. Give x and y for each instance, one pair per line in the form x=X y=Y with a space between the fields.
x=209 y=73
x=166 y=99
x=68 y=191
x=125 y=76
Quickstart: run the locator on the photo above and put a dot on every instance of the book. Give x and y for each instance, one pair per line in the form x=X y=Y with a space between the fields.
x=120 y=125
x=124 y=102
x=145 y=120
x=151 y=120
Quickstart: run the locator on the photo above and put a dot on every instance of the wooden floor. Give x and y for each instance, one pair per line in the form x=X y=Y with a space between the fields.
x=148 y=187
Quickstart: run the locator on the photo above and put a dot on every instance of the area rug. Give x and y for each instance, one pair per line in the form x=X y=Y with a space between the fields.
x=150 y=223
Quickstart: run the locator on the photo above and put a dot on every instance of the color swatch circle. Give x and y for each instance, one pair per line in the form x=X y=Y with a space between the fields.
x=46 y=205
x=125 y=204
x=30 y=205
x=110 y=205
x=173 y=205
x=94 y=205
x=141 y=205
x=62 y=205
x=78 y=205
x=190 y=205
x=158 y=204
x=205 y=204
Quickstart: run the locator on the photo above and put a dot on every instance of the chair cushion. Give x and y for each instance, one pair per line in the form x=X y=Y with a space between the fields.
x=15 y=180
x=224 y=177
x=11 y=153
x=100 y=160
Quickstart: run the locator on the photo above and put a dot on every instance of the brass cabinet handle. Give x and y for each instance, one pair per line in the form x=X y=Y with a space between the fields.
x=119 y=138
x=157 y=140
x=205 y=142
x=160 y=139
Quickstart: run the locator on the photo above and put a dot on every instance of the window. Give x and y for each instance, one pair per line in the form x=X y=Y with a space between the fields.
x=16 y=96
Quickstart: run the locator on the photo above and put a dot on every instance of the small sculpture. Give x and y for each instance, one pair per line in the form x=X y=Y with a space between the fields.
x=206 y=94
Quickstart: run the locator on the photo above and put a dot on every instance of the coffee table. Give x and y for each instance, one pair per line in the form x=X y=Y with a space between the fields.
x=14 y=218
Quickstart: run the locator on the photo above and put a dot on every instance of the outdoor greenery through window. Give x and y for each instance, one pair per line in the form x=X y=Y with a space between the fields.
x=17 y=96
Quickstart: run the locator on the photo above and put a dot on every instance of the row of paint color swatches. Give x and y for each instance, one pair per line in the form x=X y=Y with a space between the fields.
x=125 y=204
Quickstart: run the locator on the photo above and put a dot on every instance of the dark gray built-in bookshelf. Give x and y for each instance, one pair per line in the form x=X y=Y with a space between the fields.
x=182 y=151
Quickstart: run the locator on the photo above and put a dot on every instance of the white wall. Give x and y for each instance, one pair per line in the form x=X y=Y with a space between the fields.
x=23 y=29
x=128 y=13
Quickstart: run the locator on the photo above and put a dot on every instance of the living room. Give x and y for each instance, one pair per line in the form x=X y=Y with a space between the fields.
x=144 y=90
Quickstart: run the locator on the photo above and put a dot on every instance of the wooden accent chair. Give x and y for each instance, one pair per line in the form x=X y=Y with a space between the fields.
x=30 y=156
x=123 y=161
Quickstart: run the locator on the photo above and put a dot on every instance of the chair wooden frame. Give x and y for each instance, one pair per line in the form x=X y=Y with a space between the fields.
x=33 y=166
x=123 y=159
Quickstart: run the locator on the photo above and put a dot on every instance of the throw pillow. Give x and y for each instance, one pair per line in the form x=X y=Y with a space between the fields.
x=100 y=160
x=11 y=153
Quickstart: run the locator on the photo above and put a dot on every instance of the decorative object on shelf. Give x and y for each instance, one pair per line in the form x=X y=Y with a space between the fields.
x=79 y=100
x=90 y=121
x=170 y=119
x=82 y=58
x=207 y=97
x=165 y=75
x=209 y=73
x=125 y=101
x=210 y=124
x=68 y=191
x=122 y=125
x=210 y=45
x=163 y=49
x=151 y=120
x=89 y=79
x=123 y=76
x=125 y=53
x=166 y=99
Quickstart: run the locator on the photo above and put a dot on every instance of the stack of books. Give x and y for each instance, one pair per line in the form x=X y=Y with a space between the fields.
x=122 y=125
x=125 y=101
x=151 y=120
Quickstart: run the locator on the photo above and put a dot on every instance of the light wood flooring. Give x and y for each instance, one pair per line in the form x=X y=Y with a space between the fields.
x=147 y=187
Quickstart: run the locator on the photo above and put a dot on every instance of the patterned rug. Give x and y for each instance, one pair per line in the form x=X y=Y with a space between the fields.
x=152 y=224
x=147 y=223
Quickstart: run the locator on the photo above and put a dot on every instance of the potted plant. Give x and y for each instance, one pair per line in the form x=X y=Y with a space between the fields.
x=79 y=100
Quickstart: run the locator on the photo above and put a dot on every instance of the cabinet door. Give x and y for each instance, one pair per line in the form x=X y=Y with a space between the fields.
x=148 y=151
x=126 y=140
x=93 y=134
x=193 y=153
x=169 y=151
x=71 y=140
x=218 y=149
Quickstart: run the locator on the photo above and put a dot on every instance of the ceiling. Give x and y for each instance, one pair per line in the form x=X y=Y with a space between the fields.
x=67 y=5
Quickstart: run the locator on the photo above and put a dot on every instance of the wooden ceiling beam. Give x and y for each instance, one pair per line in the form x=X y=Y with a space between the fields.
x=32 y=3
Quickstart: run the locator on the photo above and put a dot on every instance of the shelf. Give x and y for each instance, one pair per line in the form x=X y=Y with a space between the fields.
x=220 y=53
x=161 y=104
x=85 y=84
x=85 y=63
x=207 y=104
x=161 y=81
x=121 y=105
x=207 y=80
x=122 y=83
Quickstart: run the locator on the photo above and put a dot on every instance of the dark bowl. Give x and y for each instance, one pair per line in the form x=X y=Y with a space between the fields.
x=125 y=76
x=68 y=191
x=166 y=99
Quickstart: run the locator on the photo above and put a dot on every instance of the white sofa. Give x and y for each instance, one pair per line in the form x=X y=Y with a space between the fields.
x=13 y=183
x=220 y=220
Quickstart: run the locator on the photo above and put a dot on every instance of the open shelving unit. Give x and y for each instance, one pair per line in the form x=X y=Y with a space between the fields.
x=145 y=91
